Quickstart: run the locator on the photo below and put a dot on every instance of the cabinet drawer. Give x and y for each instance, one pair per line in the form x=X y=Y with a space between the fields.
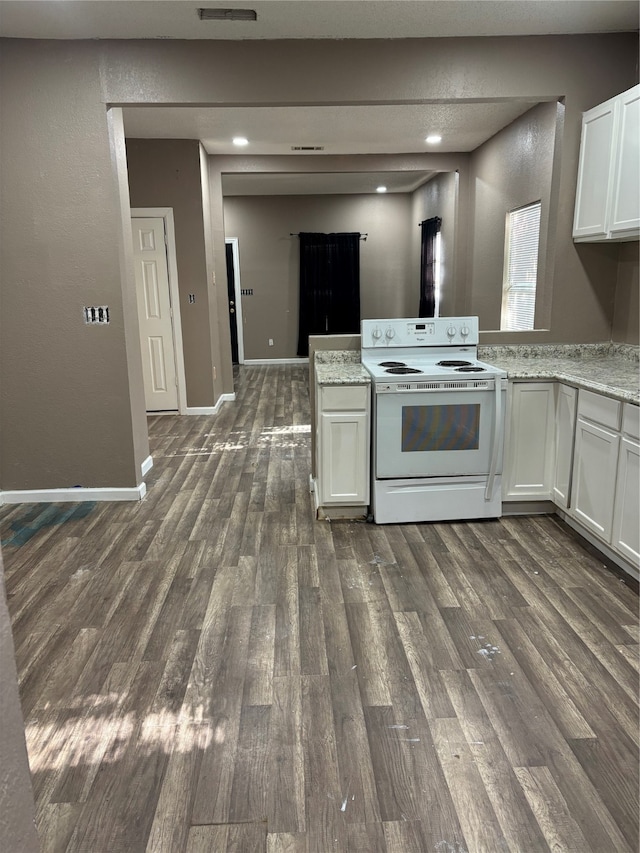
x=631 y=421
x=599 y=409
x=344 y=398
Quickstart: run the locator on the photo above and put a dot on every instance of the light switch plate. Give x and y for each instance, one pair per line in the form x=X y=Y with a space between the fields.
x=96 y=315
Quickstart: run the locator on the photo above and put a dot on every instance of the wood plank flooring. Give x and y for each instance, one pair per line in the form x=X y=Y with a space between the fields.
x=211 y=669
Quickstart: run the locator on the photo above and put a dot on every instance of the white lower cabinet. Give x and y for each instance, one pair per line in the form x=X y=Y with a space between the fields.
x=565 y=408
x=529 y=450
x=581 y=450
x=594 y=477
x=343 y=445
x=626 y=512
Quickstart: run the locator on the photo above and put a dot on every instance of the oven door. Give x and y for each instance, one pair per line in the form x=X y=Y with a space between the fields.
x=439 y=433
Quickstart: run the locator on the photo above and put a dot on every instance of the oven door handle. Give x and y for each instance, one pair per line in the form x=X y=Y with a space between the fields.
x=497 y=429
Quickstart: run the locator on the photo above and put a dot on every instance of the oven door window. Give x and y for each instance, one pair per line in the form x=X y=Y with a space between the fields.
x=441 y=428
x=433 y=433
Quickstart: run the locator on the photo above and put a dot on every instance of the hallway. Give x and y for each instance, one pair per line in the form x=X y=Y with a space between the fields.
x=210 y=669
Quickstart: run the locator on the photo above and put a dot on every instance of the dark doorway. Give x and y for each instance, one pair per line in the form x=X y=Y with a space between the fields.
x=231 y=290
x=329 y=286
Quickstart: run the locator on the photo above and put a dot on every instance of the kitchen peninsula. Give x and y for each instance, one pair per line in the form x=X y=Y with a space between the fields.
x=572 y=435
x=607 y=368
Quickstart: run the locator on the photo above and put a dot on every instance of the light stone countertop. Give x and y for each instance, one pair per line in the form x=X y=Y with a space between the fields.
x=609 y=369
x=340 y=367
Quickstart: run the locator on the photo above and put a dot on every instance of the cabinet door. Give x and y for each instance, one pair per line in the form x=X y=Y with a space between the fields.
x=529 y=452
x=595 y=171
x=594 y=477
x=625 y=209
x=344 y=454
x=626 y=530
x=565 y=400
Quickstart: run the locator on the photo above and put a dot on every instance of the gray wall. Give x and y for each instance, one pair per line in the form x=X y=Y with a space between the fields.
x=72 y=403
x=270 y=261
x=72 y=411
x=512 y=169
x=627 y=312
x=167 y=173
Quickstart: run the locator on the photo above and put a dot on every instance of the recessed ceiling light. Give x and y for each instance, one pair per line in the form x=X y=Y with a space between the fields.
x=381 y=189
x=240 y=140
x=433 y=139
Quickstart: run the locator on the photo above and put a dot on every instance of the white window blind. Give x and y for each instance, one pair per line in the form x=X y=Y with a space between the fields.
x=520 y=268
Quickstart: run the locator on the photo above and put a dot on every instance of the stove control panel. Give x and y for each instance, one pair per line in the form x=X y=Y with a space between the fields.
x=420 y=331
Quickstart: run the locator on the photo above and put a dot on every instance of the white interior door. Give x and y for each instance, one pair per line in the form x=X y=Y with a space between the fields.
x=154 y=314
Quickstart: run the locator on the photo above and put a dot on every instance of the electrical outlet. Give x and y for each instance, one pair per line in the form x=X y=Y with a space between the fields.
x=270 y=342
x=192 y=298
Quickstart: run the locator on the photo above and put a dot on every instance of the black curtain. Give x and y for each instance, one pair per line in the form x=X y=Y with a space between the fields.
x=429 y=229
x=329 y=286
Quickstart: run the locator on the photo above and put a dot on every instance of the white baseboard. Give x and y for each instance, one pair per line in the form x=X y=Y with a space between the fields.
x=146 y=466
x=210 y=410
x=276 y=361
x=39 y=496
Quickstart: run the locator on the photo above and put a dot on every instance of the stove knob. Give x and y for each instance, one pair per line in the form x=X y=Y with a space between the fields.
x=376 y=334
x=465 y=331
x=451 y=332
x=390 y=333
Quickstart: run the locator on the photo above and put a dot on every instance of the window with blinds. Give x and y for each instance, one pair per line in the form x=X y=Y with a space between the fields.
x=522 y=235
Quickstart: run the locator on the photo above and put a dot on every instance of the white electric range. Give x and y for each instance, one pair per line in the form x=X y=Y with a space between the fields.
x=438 y=420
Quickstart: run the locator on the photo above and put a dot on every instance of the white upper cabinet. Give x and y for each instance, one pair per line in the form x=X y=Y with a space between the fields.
x=608 y=190
x=624 y=221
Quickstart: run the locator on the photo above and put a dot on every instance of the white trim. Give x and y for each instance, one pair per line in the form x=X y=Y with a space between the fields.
x=211 y=410
x=238 y=300
x=78 y=495
x=166 y=214
x=146 y=466
x=276 y=361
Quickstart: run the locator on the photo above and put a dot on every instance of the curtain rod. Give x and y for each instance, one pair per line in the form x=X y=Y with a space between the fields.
x=291 y=234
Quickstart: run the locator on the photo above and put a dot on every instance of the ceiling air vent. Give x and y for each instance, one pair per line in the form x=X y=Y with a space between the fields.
x=307 y=147
x=227 y=15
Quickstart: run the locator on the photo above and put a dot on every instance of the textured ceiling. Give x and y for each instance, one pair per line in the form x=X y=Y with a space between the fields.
x=346 y=131
x=380 y=129
x=304 y=19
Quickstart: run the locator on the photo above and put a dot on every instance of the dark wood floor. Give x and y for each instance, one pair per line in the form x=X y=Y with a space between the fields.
x=213 y=670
